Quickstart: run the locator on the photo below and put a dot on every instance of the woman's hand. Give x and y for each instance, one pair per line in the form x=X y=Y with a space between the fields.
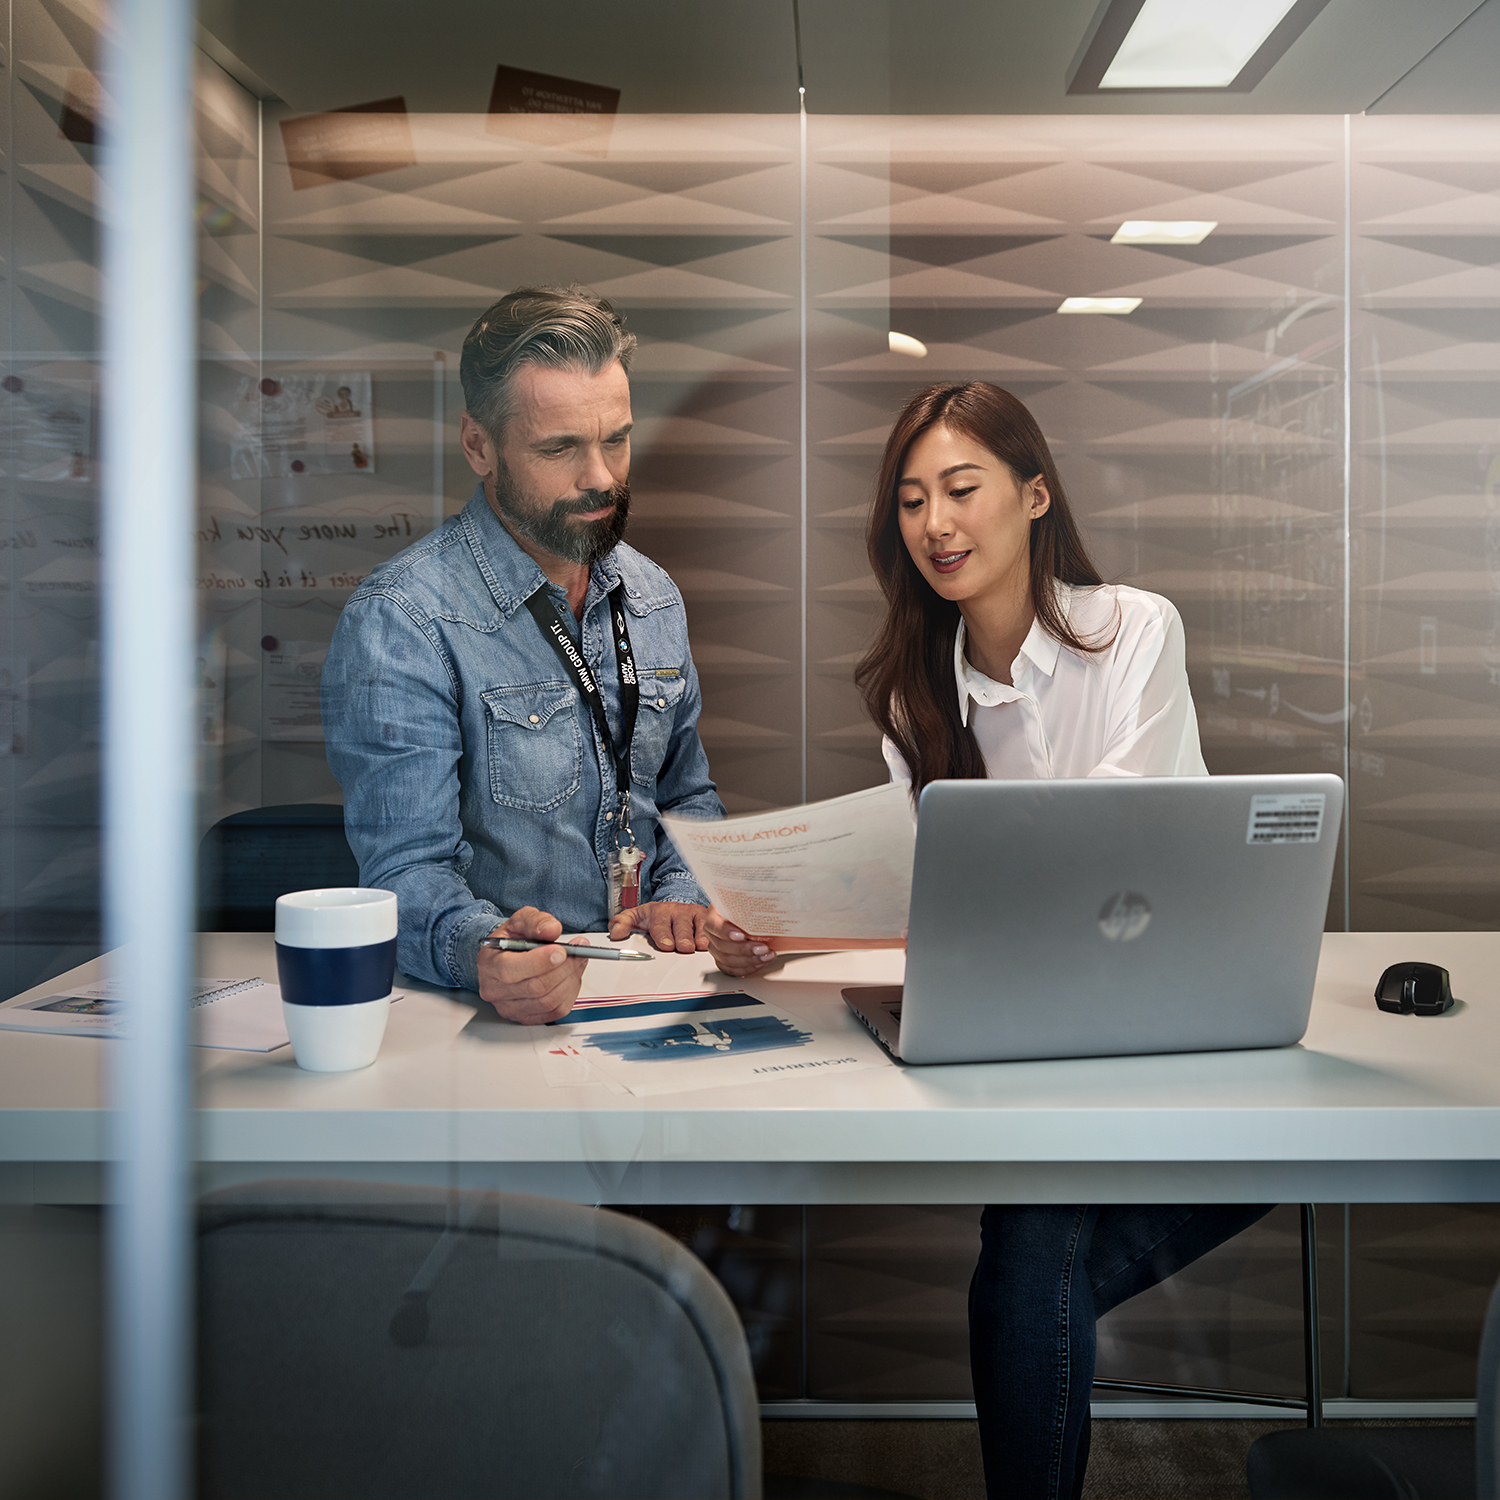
x=734 y=952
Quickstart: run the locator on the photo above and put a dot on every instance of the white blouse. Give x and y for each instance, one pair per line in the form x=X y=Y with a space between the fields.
x=1123 y=711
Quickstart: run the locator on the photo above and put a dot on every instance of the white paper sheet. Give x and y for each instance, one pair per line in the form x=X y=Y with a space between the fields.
x=250 y=1021
x=828 y=874
x=291 y=679
x=240 y=1015
x=302 y=424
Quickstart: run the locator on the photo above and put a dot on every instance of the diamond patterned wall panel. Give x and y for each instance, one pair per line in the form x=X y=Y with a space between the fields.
x=1420 y=1279
x=1233 y=1320
x=688 y=225
x=887 y=1302
x=887 y=1292
x=1425 y=798
x=755 y=1251
x=1199 y=437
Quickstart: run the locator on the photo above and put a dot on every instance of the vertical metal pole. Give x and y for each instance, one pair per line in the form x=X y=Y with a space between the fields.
x=1348 y=528
x=802 y=374
x=147 y=408
x=1312 y=1356
x=802 y=1387
x=439 y=435
x=1346 y=1388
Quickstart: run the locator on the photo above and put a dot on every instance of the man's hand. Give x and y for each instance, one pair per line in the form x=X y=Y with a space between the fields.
x=735 y=952
x=672 y=926
x=533 y=987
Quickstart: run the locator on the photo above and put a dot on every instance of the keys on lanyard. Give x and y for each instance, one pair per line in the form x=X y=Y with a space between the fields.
x=624 y=864
x=625 y=878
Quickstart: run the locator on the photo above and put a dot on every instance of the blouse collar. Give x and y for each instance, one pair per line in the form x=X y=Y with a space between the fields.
x=1038 y=650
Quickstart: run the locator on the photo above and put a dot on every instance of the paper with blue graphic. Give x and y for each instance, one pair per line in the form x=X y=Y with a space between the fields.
x=658 y=1044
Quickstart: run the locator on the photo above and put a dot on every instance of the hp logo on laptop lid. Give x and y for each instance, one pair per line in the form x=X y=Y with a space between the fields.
x=1126 y=915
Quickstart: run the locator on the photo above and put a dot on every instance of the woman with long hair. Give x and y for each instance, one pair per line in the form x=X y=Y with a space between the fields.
x=1004 y=654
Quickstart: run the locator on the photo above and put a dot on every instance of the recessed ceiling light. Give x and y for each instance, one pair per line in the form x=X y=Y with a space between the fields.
x=904 y=343
x=1155 y=45
x=1163 y=231
x=1099 y=304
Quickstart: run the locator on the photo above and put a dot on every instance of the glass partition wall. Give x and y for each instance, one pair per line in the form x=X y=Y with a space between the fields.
x=1246 y=441
x=1292 y=436
x=1291 y=466
x=1242 y=442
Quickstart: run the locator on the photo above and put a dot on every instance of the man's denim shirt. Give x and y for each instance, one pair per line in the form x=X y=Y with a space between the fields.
x=472 y=770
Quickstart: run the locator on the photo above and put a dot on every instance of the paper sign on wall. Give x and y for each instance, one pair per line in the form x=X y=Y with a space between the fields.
x=47 y=428
x=290 y=687
x=303 y=424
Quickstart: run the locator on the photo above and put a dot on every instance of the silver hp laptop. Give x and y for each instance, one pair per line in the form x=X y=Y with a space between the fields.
x=1090 y=918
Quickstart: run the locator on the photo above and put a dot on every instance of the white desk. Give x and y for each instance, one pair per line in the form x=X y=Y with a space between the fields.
x=1369 y=1108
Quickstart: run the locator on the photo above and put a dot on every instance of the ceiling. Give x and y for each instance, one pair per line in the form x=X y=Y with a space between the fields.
x=859 y=56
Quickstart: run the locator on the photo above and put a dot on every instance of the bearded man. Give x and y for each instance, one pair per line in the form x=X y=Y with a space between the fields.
x=509 y=703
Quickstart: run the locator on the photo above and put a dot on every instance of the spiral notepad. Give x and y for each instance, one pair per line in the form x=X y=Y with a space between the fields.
x=206 y=991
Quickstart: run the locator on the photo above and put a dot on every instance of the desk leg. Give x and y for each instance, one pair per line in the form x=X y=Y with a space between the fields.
x=1311 y=1345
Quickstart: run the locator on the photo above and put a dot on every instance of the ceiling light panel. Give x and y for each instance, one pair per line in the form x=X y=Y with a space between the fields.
x=1114 y=305
x=1168 y=46
x=1163 y=231
x=1192 y=44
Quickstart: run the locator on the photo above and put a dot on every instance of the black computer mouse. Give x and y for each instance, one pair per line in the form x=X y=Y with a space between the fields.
x=1414 y=990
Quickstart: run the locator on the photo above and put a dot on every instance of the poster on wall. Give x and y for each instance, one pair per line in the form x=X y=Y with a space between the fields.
x=303 y=424
x=548 y=110
x=14 y=675
x=346 y=143
x=47 y=429
x=291 y=678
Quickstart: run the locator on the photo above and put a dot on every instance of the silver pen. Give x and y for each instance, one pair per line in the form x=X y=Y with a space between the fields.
x=573 y=950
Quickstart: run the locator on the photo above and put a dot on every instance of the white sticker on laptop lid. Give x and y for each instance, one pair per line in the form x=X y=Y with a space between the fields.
x=1286 y=818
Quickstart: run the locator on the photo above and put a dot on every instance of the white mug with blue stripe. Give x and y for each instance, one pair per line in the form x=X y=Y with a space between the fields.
x=336 y=957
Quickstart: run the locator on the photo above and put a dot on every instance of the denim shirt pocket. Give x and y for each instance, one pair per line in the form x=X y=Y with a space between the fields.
x=660 y=697
x=535 y=749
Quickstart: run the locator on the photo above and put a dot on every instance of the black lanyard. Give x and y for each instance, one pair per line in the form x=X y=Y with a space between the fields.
x=545 y=612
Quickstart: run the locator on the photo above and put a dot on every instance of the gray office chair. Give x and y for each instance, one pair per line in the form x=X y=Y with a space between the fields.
x=568 y=1352
x=1391 y=1463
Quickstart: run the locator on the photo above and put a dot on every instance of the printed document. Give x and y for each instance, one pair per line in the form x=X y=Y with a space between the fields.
x=668 y=1044
x=677 y=1024
x=833 y=874
x=242 y=1015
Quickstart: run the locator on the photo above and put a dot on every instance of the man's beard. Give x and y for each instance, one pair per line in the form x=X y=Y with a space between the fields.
x=551 y=529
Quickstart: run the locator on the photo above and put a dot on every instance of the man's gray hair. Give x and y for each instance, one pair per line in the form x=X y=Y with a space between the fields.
x=566 y=328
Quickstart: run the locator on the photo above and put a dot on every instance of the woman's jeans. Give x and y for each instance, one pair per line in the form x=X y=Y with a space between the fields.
x=1045 y=1274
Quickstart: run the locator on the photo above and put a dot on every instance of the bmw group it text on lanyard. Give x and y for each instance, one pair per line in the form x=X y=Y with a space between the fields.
x=625 y=862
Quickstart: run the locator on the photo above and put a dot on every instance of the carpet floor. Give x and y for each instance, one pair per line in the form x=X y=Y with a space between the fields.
x=937 y=1460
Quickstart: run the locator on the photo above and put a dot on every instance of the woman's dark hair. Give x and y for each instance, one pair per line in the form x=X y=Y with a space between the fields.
x=906 y=677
